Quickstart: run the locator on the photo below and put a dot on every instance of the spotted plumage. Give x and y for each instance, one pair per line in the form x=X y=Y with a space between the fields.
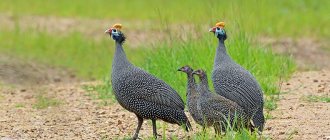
x=192 y=94
x=216 y=110
x=233 y=82
x=142 y=93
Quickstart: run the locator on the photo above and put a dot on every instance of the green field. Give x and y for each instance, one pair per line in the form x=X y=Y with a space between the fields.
x=246 y=21
x=305 y=18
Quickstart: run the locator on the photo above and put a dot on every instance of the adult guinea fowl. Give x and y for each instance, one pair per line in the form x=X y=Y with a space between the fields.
x=216 y=110
x=142 y=93
x=192 y=94
x=233 y=82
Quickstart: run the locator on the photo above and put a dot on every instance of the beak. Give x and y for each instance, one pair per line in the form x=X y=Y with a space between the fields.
x=193 y=72
x=212 y=29
x=108 y=31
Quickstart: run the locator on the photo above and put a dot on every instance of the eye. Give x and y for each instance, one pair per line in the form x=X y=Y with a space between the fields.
x=218 y=28
x=114 y=30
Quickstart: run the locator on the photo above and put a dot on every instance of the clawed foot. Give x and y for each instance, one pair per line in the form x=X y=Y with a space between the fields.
x=157 y=135
x=135 y=137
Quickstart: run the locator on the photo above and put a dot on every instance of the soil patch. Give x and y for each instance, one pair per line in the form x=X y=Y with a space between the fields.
x=14 y=71
x=308 y=53
x=79 y=116
x=298 y=116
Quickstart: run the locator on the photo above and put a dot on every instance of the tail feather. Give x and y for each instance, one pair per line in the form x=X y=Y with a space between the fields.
x=181 y=120
x=259 y=120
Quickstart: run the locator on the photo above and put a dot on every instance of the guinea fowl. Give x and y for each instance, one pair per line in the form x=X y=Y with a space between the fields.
x=192 y=94
x=216 y=110
x=142 y=93
x=233 y=82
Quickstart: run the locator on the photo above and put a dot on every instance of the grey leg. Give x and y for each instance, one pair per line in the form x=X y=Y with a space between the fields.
x=154 y=128
x=140 y=121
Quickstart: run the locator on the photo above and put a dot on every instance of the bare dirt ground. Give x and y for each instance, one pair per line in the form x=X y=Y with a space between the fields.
x=297 y=116
x=14 y=71
x=80 y=116
x=77 y=117
x=310 y=54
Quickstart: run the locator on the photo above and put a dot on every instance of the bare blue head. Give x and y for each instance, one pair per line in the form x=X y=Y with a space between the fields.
x=116 y=34
x=219 y=31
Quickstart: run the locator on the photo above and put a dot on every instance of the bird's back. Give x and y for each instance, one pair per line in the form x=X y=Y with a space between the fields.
x=239 y=85
x=235 y=83
x=148 y=96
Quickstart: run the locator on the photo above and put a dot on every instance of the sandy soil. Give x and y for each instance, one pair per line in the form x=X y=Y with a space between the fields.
x=77 y=117
x=81 y=117
x=309 y=54
x=17 y=72
x=298 y=118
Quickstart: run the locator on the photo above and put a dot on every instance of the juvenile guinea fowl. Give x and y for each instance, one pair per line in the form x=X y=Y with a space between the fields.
x=216 y=110
x=142 y=93
x=192 y=94
x=233 y=82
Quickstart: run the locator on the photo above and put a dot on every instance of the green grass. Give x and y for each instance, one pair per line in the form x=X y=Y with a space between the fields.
x=19 y=105
x=270 y=102
x=266 y=66
x=101 y=91
x=313 y=98
x=86 y=57
x=2 y=97
x=230 y=134
x=44 y=102
x=306 y=18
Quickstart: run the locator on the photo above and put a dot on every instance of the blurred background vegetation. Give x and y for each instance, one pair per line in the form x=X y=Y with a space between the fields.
x=162 y=35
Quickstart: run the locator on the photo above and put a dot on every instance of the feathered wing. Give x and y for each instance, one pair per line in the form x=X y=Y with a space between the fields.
x=230 y=84
x=220 y=107
x=149 y=88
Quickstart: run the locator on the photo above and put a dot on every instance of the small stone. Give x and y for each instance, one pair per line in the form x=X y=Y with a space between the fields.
x=22 y=90
x=315 y=80
x=77 y=118
x=119 y=122
x=57 y=79
x=101 y=112
x=28 y=97
x=269 y=128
